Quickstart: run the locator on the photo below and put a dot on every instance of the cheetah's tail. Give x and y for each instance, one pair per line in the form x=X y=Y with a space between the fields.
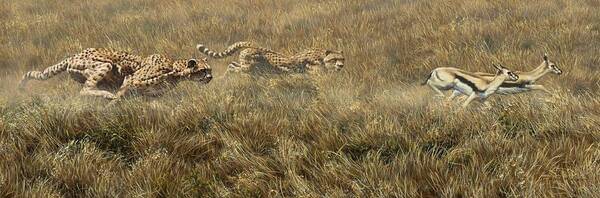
x=43 y=75
x=228 y=52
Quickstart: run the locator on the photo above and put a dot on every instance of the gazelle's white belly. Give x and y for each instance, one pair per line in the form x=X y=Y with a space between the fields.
x=464 y=88
x=468 y=90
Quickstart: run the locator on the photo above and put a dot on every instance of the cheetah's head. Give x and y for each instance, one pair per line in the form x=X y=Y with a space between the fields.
x=199 y=70
x=334 y=60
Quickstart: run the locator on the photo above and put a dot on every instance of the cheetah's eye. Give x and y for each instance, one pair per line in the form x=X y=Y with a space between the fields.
x=192 y=63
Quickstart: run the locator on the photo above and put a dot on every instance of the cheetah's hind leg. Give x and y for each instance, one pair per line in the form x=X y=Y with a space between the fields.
x=90 y=88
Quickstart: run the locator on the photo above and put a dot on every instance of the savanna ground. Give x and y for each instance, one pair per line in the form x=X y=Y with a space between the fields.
x=369 y=130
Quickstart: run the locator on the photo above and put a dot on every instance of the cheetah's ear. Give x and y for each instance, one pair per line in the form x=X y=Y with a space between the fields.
x=192 y=63
x=545 y=57
x=327 y=52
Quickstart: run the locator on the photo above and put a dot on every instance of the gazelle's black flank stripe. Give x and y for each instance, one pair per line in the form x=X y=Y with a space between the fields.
x=512 y=85
x=468 y=83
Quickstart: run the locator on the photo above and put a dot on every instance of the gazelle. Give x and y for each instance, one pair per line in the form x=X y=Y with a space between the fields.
x=526 y=80
x=446 y=78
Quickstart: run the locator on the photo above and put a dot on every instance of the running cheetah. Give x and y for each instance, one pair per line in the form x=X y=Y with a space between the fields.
x=257 y=59
x=98 y=69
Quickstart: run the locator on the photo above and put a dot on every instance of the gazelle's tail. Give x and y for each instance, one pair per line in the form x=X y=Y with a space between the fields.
x=427 y=79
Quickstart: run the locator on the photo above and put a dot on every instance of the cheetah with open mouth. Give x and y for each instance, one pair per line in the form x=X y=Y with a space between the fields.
x=100 y=70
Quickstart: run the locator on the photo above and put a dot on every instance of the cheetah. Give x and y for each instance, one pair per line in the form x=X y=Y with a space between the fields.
x=257 y=59
x=98 y=69
x=159 y=74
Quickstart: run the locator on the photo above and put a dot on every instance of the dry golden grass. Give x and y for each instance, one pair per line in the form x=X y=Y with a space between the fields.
x=370 y=130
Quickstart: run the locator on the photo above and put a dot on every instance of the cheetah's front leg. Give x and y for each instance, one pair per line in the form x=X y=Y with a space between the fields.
x=124 y=90
x=139 y=86
x=237 y=67
x=233 y=66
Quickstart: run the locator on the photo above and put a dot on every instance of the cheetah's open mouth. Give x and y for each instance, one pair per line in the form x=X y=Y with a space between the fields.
x=207 y=78
x=202 y=78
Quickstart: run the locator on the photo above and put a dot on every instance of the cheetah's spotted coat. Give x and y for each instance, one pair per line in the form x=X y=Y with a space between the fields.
x=257 y=59
x=101 y=69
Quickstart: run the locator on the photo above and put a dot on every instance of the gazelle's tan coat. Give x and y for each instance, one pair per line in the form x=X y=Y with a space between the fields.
x=526 y=80
x=446 y=78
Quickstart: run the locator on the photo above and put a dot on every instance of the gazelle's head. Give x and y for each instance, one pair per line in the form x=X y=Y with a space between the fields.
x=551 y=65
x=507 y=72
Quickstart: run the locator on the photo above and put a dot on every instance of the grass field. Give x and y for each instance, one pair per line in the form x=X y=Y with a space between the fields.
x=370 y=130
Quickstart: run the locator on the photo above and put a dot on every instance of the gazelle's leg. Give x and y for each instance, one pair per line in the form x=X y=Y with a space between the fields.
x=439 y=93
x=486 y=104
x=540 y=87
x=454 y=95
x=469 y=99
x=90 y=87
